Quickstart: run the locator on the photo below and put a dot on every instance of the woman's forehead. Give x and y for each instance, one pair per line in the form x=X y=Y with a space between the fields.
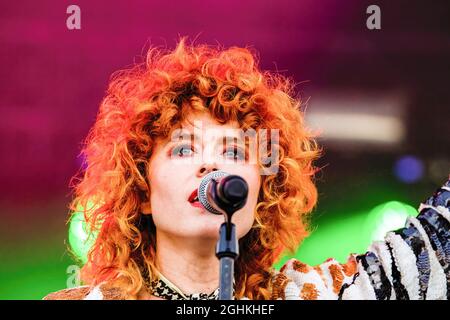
x=204 y=121
x=203 y=125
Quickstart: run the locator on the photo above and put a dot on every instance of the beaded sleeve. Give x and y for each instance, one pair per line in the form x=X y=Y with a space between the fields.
x=412 y=263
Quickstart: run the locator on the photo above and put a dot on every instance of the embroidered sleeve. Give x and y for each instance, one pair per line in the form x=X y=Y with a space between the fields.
x=411 y=263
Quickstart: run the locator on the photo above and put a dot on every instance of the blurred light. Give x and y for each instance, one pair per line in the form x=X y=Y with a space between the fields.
x=358 y=116
x=387 y=217
x=409 y=169
x=359 y=127
x=79 y=238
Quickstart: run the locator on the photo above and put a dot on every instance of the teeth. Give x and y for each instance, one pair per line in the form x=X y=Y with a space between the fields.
x=196 y=199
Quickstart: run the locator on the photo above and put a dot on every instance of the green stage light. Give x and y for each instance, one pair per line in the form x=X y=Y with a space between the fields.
x=80 y=239
x=387 y=217
x=350 y=232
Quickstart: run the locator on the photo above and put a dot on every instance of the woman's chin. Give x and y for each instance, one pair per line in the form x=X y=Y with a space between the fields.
x=210 y=230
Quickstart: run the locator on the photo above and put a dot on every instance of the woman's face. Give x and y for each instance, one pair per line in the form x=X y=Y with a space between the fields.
x=177 y=167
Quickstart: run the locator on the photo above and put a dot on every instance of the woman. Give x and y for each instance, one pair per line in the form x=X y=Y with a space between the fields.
x=151 y=146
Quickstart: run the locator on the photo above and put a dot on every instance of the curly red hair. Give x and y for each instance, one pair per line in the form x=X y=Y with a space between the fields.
x=147 y=102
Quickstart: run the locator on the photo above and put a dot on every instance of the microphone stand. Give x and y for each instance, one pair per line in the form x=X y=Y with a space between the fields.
x=227 y=251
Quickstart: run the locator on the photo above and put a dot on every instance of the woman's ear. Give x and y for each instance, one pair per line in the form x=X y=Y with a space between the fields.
x=146 y=208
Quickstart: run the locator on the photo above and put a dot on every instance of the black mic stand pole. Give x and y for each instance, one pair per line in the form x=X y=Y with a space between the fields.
x=227 y=251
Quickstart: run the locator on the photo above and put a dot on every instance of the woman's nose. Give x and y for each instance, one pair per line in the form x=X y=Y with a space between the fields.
x=207 y=168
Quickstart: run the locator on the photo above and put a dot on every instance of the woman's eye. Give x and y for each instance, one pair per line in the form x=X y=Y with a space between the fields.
x=235 y=153
x=181 y=151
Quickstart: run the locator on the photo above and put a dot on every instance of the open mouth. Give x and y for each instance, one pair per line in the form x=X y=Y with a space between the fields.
x=193 y=200
x=193 y=197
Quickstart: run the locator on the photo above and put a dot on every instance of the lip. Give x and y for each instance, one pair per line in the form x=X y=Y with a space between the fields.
x=192 y=196
x=193 y=203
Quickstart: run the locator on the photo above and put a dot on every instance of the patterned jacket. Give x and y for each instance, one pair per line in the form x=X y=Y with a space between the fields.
x=411 y=263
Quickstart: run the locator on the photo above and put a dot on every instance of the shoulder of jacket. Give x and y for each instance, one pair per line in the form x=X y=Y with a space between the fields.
x=76 y=293
x=103 y=291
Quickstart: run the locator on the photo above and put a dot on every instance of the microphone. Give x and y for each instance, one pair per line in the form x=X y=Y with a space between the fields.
x=221 y=192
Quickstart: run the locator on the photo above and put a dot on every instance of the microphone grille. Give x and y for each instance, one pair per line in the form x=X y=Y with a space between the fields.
x=202 y=189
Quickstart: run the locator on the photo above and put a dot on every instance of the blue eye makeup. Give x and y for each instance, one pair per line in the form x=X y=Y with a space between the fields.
x=187 y=150
x=182 y=151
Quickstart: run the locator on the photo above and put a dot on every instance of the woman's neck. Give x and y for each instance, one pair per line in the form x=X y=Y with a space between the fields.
x=191 y=265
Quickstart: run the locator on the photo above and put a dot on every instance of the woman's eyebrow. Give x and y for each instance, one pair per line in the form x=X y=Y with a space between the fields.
x=223 y=139
x=185 y=136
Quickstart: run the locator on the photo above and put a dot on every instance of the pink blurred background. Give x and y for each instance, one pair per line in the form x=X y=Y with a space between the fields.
x=52 y=80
